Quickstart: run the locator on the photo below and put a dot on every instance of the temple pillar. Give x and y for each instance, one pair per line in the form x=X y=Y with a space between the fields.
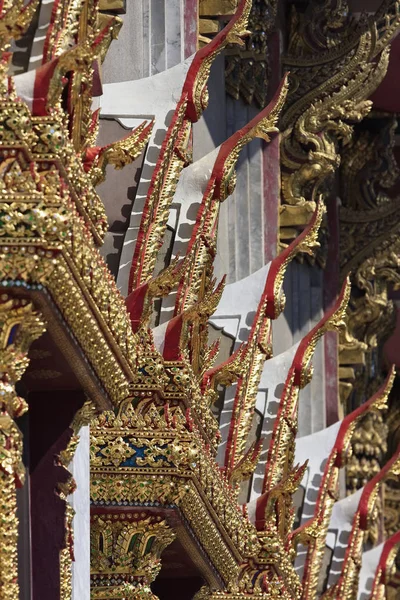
x=19 y=326
x=50 y=416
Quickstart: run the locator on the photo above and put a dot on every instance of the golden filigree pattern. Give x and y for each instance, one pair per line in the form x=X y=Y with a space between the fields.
x=157 y=448
x=335 y=64
x=127 y=545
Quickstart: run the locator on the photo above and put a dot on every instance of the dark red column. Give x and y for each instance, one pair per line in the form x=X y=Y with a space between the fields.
x=50 y=416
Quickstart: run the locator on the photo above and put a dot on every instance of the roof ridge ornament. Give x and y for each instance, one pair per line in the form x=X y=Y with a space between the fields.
x=313 y=532
x=175 y=150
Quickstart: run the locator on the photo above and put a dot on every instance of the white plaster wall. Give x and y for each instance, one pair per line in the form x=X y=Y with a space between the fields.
x=269 y=395
x=341 y=524
x=241 y=225
x=150 y=41
x=40 y=34
x=152 y=98
x=369 y=565
x=245 y=210
x=315 y=448
x=303 y=287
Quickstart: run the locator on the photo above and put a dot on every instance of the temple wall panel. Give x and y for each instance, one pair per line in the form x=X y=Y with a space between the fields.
x=44 y=17
x=152 y=36
x=210 y=131
x=80 y=502
x=241 y=233
x=47 y=475
x=133 y=42
x=304 y=307
x=243 y=212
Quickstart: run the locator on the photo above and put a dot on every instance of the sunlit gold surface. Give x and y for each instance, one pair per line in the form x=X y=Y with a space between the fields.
x=157 y=448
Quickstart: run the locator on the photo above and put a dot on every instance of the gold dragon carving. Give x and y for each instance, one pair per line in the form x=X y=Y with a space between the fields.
x=369 y=229
x=335 y=63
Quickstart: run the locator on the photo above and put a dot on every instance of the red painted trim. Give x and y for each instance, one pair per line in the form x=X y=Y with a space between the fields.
x=337 y=454
x=331 y=350
x=271 y=193
x=261 y=506
x=339 y=448
x=102 y=34
x=215 y=370
x=268 y=306
x=251 y=454
x=172 y=349
x=370 y=487
x=5 y=58
x=262 y=500
x=92 y=153
x=41 y=87
x=94 y=123
x=357 y=413
x=228 y=147
x=307 y=339
x=293 y=379
x=147 y=512
x=267 y=299
x=143 y=235
x=380 y=575
x=97 y=85
x=135 y=305
x=46 y=49
x=213 y=188
x=204 y=54
x=278 y=263
x=361 y=515
x=191 y=19
x=189 y=87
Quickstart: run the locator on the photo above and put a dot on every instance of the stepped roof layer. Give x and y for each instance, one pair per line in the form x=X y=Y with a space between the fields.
x=166 y=469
